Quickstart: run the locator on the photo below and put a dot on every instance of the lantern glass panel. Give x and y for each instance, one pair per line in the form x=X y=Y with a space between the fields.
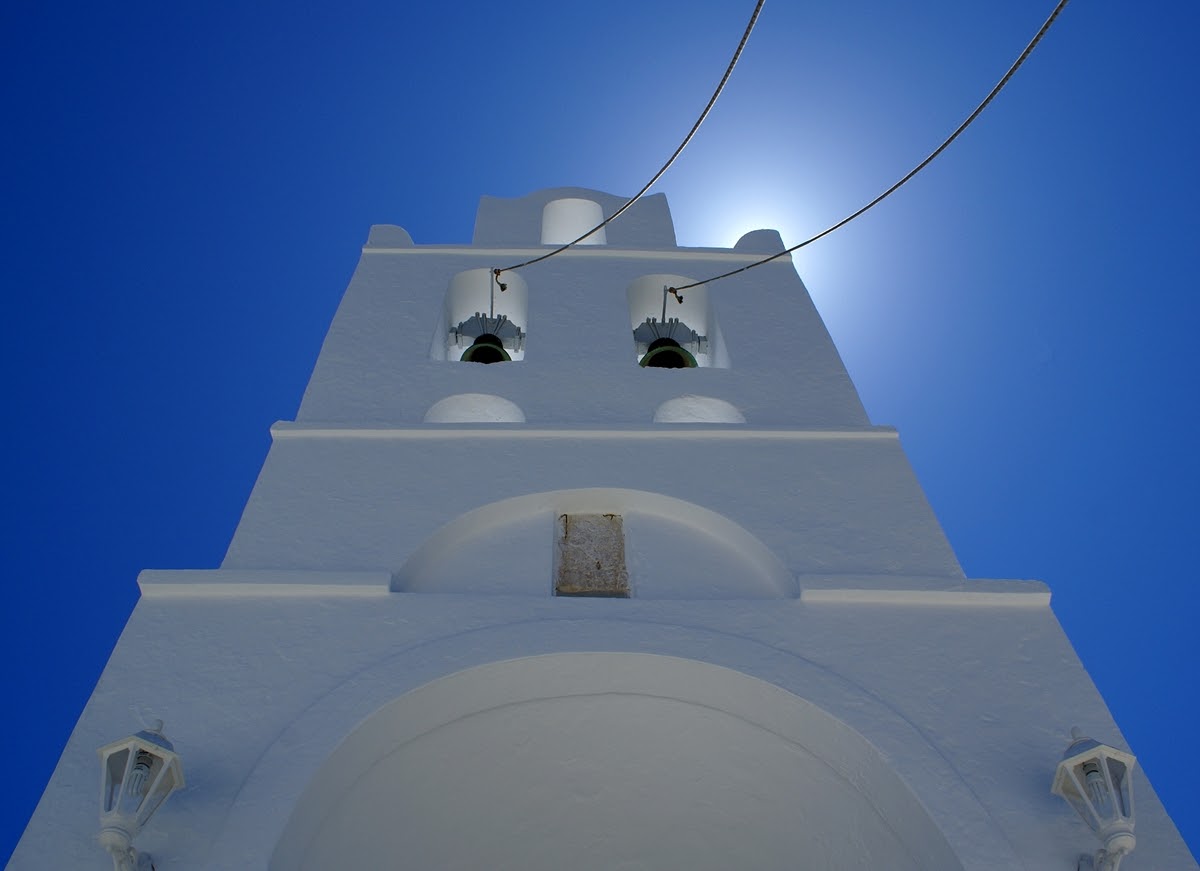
x=1073 y=791
x=1096 y=786
x=138 y=778
x=1119 y=775
x=114 y=777
x=164 y=784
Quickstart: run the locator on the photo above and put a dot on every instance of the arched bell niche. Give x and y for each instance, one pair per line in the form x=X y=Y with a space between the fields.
x=595 y=761
x=674 y=329
x=483 y=320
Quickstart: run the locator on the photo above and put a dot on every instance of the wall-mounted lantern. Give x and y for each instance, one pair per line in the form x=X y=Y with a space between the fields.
x=1097 y=780
x=137 y=774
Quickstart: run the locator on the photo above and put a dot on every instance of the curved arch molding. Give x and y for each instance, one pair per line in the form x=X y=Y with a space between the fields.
x=673 y=549
x=266 y=813
x=607 y=760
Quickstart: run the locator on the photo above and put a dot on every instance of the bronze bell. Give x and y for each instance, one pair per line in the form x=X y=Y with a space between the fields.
x=487 y=348
x=666 y=353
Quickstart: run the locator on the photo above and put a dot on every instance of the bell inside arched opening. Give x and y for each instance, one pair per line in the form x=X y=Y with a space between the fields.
x=666 y=353
x=486 y=349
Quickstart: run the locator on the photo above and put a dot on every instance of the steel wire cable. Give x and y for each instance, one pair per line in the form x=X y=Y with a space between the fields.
x=920 y=166
x=711 y=102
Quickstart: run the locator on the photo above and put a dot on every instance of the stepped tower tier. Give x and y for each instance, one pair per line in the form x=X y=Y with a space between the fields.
x=565 y=567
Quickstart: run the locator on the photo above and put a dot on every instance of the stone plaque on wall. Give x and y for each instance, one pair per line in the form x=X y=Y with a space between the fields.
x=589 y=556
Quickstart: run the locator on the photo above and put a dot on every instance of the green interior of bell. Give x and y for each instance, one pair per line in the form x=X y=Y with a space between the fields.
x=667 y=354
x=487 y=349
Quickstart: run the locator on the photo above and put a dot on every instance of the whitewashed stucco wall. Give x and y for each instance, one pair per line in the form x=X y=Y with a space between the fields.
x=831 y=581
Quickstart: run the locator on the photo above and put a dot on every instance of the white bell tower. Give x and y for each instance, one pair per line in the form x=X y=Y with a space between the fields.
x=585 y=573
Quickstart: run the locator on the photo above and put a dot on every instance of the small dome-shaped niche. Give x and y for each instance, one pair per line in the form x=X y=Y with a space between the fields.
x=484 y=320
x=674 y=329
x=697 y=409
x=567 y=219
x=474 y=408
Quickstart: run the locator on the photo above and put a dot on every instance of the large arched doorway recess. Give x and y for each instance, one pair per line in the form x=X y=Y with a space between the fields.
x=607 y=761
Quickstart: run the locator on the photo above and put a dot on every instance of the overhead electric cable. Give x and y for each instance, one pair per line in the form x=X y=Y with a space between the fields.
x=711 y=102
x=920 y=166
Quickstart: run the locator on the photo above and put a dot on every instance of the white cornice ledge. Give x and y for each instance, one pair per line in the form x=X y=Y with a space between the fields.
x=285 y=429
x=292 y=583
x=192 y=583
x=715 y=255
x=967 y=593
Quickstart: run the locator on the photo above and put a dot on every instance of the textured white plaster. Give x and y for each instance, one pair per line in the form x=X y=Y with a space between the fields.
x=969 y=705
x=579 y=367
x=822 y=506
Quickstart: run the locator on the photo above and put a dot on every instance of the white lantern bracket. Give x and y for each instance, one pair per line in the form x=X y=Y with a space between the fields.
x=137 y=774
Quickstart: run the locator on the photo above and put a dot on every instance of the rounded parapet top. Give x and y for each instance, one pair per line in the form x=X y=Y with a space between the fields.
x=518 y=221
x=388 y=236
x=760 y=242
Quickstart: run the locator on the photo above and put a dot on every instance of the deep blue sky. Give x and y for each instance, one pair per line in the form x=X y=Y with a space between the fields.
x=186 y=187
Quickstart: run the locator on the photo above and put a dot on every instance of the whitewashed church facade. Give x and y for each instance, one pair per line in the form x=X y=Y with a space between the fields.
x=570 y=611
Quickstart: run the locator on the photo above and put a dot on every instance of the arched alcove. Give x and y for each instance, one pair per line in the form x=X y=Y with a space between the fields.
x=566 y=219
x=474 y=408
x=602 y=761
x=673 y=549
x=697 y=409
